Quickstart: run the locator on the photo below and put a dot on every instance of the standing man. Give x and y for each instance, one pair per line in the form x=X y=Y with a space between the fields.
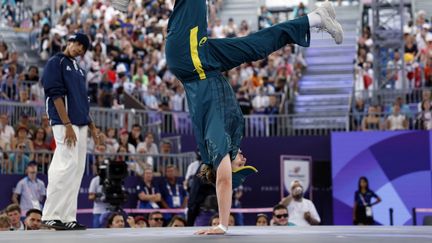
x=30 y=191
x=67 y=106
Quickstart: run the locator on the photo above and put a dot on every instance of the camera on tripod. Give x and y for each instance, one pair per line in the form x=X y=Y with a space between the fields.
x=112 y=175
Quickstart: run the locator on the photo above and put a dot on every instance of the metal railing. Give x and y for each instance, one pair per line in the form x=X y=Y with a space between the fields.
x=179 y=123
x=15 y=161
x=389 y=96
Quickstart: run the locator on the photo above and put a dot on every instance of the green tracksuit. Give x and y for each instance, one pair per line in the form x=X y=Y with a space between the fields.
x=198 y=61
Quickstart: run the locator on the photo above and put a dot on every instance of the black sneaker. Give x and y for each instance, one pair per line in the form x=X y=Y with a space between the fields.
x=54 y=224
x=74 y=226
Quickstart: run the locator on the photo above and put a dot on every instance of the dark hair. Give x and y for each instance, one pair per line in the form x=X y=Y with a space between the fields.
x=12 y=208
x=44 y=133
x=367 y=183
x=136 y=125
x=207 y=174
x=423 y=103
x=261 y=215
x=176 y=217
x=278 y=207
x=153 y=213
x=33 y=210
x=215 y=216
x=111 y=218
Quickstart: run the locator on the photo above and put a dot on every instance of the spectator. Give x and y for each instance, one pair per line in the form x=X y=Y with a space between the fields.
x=124 y=142
x=260 y=102
x=148 y=194
x=362 y=210
x=31 y=76
x=22 y=137
x=155 y=219
x=301 y=210
x=265 y=19
x=96 y=195
x=13 y=61
x=426 y=96
x=394 y=68
x=7 y=132
x=280 y=216
x=135 y=136
x=214 y=221
x=300 y=10
x=4 y=223
x=33 y=220
x=244 y=103
x=262 y=220
x=371 y=121
x=141 y=222
x=177 y=221
x=111 y=142
x=30 y=191
x=396 y=121
x=39 y=139
x=19 y=159
x=172 y=190
x=424 y=118
x=116 y=221
x=9 y=89
x=231 y=29
x=149 y=144
x=13 y=212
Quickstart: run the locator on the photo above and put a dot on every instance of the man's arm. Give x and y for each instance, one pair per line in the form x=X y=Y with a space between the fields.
x=15 y=198
x=286 y=200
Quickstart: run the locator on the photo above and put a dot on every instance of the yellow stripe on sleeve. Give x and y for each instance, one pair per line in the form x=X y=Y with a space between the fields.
x=194 y=53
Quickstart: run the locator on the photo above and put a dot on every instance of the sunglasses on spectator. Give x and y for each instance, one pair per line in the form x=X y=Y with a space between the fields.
x=157 y=219
x=279 y=216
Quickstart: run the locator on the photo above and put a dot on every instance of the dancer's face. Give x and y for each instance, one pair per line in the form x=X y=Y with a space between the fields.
x=239 y=161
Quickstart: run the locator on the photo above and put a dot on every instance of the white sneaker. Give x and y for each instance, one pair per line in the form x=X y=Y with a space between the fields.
x=329 y=22
x=121 y=5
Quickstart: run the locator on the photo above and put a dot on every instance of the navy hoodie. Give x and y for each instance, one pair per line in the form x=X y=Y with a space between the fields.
x=64 y=78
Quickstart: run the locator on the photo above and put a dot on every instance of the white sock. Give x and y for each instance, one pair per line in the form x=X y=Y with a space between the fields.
x=314 y=19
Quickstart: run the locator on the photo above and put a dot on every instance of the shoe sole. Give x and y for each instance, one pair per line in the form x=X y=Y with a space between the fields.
x=54 y=227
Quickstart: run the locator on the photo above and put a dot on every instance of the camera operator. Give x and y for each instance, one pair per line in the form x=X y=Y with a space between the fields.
x=302 y=211
x=96 y=195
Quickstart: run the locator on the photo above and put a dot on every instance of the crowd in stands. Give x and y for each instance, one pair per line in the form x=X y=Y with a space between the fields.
x=127 y=56
x=171 y=192
x=411 y=95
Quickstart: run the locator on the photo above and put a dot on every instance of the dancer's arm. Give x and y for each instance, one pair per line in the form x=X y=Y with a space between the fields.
x=224 y=196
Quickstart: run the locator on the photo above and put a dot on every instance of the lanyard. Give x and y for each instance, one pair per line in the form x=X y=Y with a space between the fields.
x=147 y=190
x=170 y=191
x=362 y=198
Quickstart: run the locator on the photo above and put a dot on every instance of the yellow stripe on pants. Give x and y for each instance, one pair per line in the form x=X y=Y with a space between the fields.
x=194 y=52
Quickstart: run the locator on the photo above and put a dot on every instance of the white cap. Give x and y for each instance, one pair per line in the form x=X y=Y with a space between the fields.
x=99 y=35
x=294 y=182
x=426 y=26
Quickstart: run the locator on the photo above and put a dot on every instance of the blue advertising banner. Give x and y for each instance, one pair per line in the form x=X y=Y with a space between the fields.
x=397 y=165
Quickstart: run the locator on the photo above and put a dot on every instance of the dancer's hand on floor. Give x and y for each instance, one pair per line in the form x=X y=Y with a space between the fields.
x=211 y=231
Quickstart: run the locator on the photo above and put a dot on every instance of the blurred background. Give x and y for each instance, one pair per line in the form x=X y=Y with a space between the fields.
x=323 y=116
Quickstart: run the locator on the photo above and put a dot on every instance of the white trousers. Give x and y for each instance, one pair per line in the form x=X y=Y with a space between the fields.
x=64 y=175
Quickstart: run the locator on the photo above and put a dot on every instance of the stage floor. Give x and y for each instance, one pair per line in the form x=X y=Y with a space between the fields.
x=319 y=234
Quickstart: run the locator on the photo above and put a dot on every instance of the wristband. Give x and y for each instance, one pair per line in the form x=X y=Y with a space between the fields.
x=67 y=123
x=223 y=228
